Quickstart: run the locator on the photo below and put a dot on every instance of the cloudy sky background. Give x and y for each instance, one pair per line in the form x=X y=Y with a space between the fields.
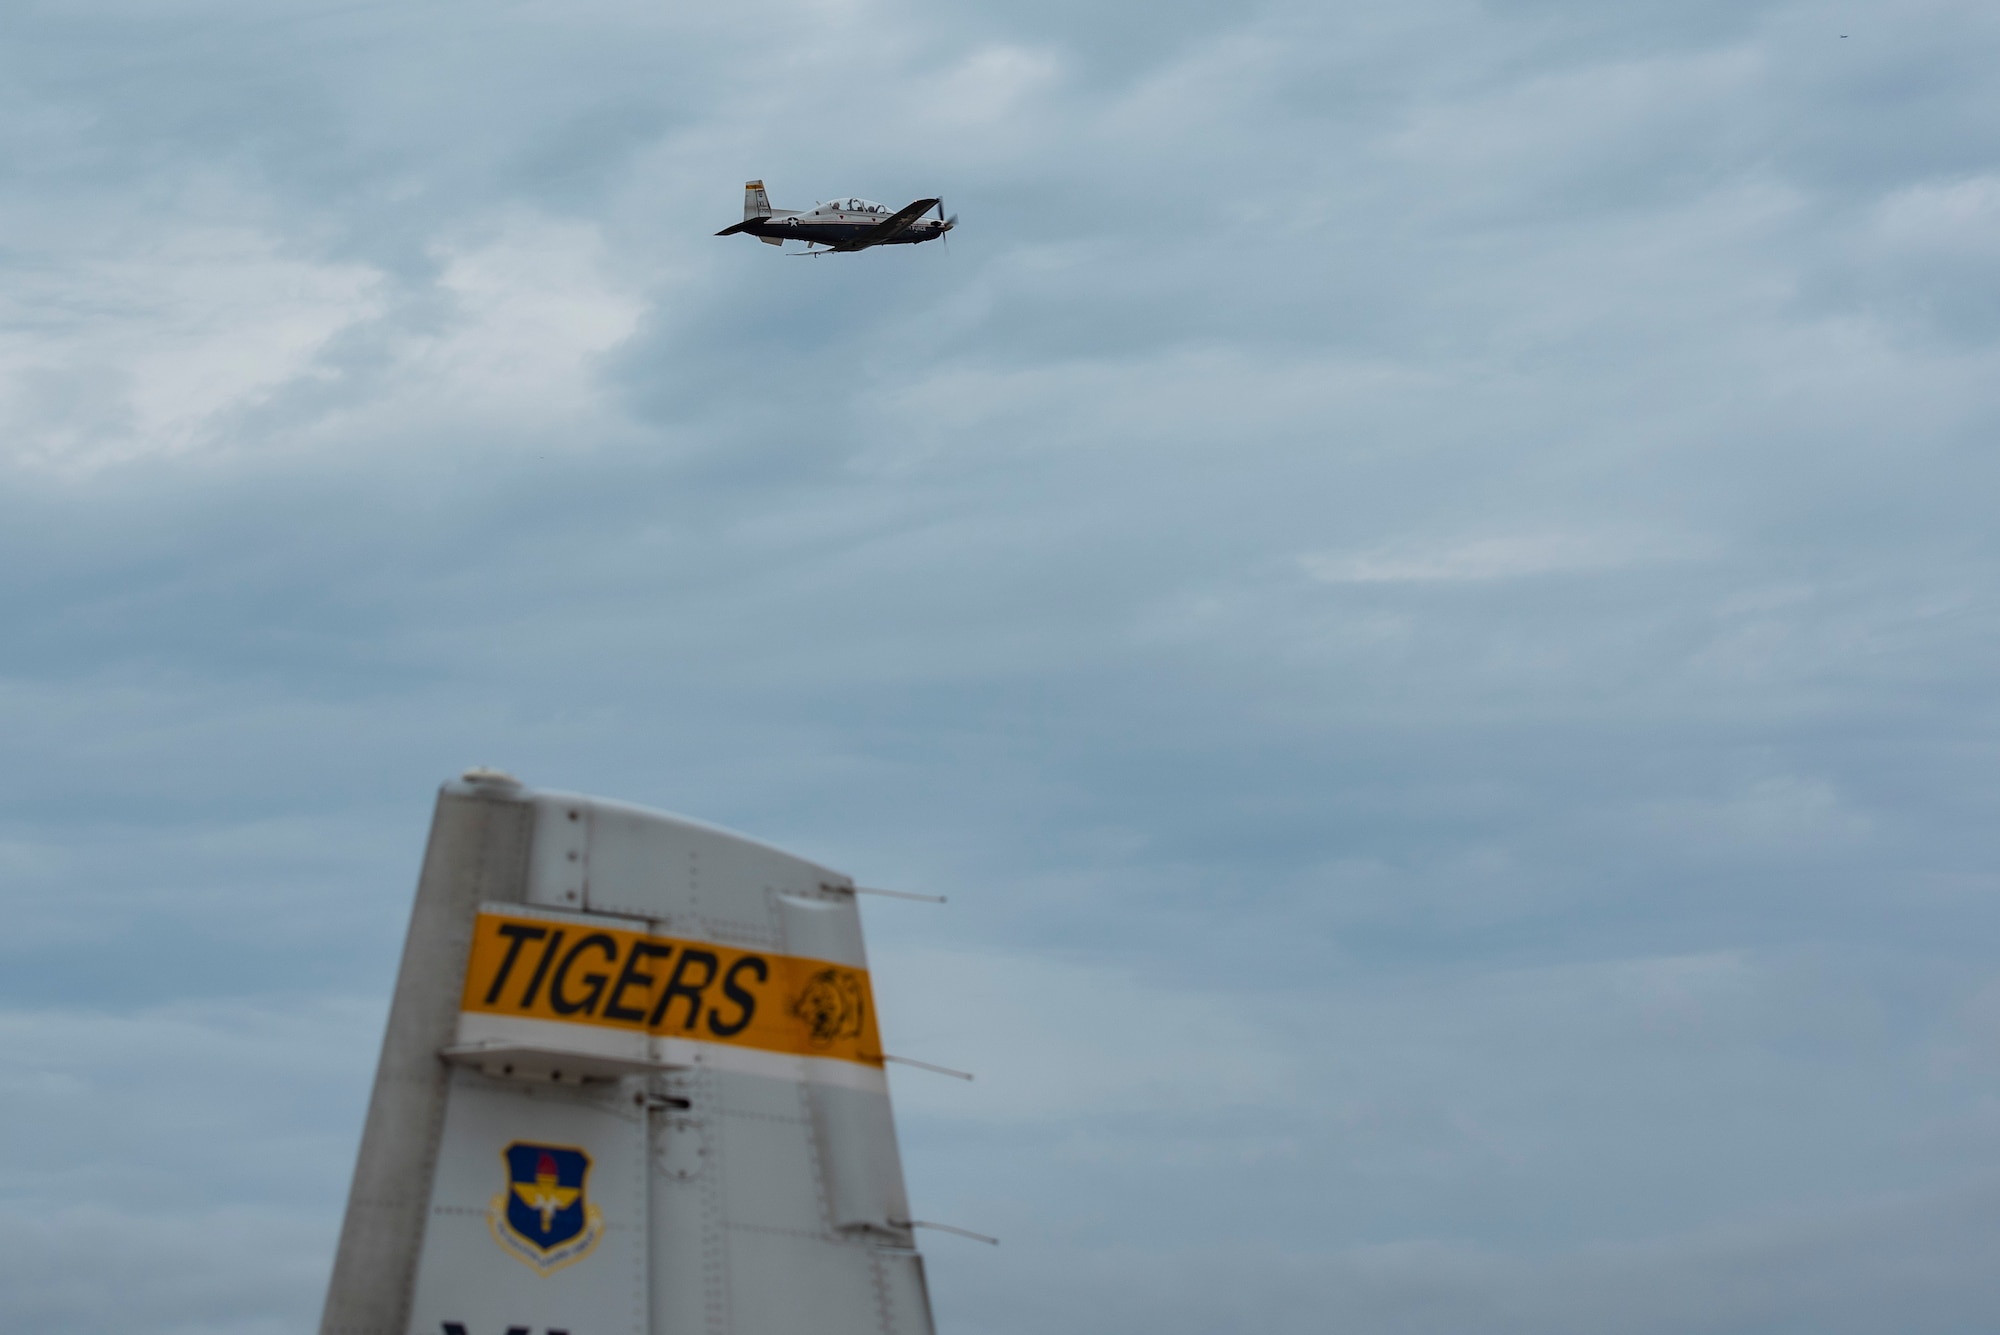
x=1423 y=575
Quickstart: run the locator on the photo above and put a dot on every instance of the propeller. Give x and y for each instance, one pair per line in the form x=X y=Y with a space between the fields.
x=945 y=224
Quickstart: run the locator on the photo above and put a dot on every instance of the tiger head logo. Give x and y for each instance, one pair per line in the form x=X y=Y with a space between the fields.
x=832 y=1007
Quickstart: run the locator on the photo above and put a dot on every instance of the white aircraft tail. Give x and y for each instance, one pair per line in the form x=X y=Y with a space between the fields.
x=756 y=204
x=631 y=1082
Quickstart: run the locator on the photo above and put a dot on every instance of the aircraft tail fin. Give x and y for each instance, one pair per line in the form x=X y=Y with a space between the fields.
x=614 y=1097
x=756 y=204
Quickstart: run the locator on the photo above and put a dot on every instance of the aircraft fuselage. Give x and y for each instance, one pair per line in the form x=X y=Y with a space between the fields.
x=840 y=230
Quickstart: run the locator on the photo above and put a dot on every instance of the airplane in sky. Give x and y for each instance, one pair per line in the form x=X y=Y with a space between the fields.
x=840 y=226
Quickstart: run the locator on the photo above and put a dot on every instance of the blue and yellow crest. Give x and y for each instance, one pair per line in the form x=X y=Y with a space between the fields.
x=545 y=1217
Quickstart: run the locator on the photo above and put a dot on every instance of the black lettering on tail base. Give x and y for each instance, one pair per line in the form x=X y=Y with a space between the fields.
x=518 y=934
x=559 y=999
x=541 y=970
x=614 y=1007
x=744 y=999
x=692 y=991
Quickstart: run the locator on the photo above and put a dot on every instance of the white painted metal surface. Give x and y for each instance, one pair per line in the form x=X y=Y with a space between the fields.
x=632 y=1083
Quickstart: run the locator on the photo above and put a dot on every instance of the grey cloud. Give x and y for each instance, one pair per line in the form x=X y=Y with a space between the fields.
x=1442 y=552
x=1856 y=1271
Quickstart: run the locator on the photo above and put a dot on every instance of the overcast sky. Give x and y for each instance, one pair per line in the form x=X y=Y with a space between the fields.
x=1422 y=574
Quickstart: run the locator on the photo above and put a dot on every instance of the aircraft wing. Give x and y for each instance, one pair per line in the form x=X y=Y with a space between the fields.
x=895 y=224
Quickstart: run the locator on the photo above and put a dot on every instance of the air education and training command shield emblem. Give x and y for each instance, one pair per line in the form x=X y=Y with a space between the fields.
x=544 y=1218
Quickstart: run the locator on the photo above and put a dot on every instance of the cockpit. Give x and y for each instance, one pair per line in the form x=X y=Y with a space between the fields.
x=854 y=206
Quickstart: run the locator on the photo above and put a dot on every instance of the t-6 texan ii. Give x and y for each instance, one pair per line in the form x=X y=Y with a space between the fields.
x=842 y=225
